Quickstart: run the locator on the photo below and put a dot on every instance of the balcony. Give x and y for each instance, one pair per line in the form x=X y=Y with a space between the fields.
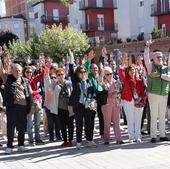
x=157 y=11
x=83 y=5
x=95 y=28
x=53 y=19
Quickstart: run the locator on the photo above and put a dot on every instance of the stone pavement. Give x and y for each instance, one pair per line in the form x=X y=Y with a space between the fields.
x=127 y=156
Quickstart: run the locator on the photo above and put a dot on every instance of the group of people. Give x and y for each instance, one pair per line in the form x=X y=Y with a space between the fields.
x=72 y=93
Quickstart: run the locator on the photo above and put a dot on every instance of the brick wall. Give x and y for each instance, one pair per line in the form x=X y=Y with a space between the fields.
x=158 y=44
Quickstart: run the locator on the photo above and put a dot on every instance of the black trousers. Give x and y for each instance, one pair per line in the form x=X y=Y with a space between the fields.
x=67 y=124
x=86 y=117
x=101 y=120
x=16 y=117
x=53 y=125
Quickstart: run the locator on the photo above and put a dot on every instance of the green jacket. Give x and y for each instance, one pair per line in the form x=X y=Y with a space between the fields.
x=92 y=78
x=158 y=85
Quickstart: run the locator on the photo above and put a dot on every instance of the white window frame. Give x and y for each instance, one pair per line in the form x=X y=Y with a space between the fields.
x=164 y=28
x=100 y=22
x=141 y=3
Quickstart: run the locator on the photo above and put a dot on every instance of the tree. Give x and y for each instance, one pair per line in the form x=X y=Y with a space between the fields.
x=157 y=33
x=57 y=41
x=54 y=42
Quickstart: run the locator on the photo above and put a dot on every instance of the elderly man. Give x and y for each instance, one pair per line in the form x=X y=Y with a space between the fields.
x=18 y=100
x=158 y=87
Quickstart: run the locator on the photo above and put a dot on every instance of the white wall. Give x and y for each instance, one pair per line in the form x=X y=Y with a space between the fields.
x=39 y=27
x=2 y=8
x=14 y=25
x=76 y=18
x=133 y=19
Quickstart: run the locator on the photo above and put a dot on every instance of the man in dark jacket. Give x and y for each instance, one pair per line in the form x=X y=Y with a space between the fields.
x=18 y=102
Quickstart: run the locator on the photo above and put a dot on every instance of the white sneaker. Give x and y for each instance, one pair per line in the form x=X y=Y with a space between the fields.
x=22 y=149
x=91 y=144
x=139 y=140
x=78 y=146
x=8 y=150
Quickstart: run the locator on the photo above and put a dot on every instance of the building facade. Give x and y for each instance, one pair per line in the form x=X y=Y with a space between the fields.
x=133 y=18
x=98 y=19
x=160 y=10
x=2 y=8
x=15 y=7
x=13 y=24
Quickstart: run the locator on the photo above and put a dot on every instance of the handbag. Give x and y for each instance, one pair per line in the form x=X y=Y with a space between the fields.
x=101 y=97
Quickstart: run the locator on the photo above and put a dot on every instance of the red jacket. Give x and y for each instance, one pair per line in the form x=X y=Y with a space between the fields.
x=129 y=85
x=33 y=82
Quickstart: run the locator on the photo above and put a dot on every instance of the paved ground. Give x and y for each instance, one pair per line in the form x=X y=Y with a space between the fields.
x=126 y=156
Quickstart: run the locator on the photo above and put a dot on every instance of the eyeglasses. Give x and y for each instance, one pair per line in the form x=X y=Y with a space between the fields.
x=28 y=72
x=109 y=74
x=61 y=74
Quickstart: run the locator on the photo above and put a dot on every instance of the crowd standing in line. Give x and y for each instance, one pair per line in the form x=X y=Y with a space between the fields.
x=76 y=90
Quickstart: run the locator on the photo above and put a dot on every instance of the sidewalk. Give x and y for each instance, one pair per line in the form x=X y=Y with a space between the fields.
x=127 y=156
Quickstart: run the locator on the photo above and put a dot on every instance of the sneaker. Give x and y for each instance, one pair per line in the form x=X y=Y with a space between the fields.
x=31 y=143
x=78 y=146
x=131 y=141
x=153 y=140
x=8 y=151
x=91 y=144
x=1 y=145
x=164 y=139
x=139 y=140
x=106 y=143
x=22 y=149
x=39 y=142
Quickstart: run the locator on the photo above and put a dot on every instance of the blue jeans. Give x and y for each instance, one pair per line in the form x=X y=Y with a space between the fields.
x=33 y=119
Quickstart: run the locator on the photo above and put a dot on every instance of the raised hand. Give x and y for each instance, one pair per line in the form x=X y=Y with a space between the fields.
x=46 y=70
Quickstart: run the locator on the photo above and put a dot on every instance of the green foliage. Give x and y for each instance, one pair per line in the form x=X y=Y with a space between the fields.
x=128 y=39
x=54 y=42
x=157 y=33
x=65 y=2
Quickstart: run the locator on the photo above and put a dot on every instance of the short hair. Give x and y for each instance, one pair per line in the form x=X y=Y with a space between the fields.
x=59 y=70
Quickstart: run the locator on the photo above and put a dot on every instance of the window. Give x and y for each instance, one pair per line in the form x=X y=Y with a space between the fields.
x=99 y=3
x=100 y=22
x=56 y=14
x=164 y=29
x=141 y=3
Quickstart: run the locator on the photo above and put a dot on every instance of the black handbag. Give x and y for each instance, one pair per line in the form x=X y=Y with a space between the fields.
x=101 y=97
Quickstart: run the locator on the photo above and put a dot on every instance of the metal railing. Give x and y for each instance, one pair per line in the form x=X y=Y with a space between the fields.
x=92 y=4
x=156 y=9
x=53 y=19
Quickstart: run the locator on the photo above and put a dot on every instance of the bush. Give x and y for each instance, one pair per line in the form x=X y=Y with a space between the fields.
x=157 y=33
x=119 y=40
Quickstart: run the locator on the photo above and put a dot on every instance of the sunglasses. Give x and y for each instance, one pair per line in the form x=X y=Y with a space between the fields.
x=109 y=74
x=61 y=74
x=53 y=77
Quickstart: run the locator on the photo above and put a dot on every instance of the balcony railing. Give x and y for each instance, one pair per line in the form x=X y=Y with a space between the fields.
x=94 y=28
x=156 y=10
x=53 y=19
x=92 y=4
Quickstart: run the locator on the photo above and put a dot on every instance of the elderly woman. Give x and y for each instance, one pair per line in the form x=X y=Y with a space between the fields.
x=83 y=101
x=111 y=112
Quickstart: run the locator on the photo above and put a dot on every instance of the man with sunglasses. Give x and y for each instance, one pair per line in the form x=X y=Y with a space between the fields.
x=158 y=88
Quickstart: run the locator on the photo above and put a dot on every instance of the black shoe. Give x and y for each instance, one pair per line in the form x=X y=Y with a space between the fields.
x=153 y=140
x=164 y=139
x=144 y=132
x=0 y=145
x=39 y=142
x=106 y=143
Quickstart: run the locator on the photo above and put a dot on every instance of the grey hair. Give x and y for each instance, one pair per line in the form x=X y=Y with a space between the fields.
x=16 y=65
